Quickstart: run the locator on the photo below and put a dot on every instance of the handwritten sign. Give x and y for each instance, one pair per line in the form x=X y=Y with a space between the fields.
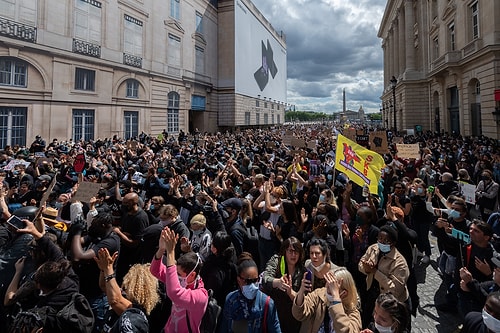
x=298 y=143
x=311 y=145
x=378 y=142
x=86 y=190
x=408 y=150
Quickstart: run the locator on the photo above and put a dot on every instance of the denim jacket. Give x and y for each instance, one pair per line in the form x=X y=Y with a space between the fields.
x=234 y=311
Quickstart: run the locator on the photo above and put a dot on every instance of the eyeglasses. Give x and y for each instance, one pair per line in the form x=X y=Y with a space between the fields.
x=250 y=281
x=292 y=251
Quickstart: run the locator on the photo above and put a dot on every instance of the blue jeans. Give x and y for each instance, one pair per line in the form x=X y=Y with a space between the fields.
x=99 y=306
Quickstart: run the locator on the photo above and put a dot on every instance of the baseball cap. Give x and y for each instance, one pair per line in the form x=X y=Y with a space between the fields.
x=233 y=203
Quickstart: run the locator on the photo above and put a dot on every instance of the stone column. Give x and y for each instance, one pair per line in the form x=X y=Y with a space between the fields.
x=395 y=54
x=409 y=24
x=402 y=42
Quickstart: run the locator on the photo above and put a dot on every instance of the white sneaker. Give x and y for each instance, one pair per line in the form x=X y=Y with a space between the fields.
x=425 y=260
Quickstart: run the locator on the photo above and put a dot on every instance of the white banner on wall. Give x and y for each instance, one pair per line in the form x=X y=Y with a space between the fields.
x=260 y=60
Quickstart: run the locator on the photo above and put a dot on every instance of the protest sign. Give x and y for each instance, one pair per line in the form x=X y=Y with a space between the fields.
x=408 y=150
x=378 y=142
x=311 y=145
x=86 y=190
x=13 y=163
x=362 y=140
x=298 y=143
x=468 y=191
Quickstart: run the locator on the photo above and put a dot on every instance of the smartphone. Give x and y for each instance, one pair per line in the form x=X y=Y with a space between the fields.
x=15 y=222
x=309 y=275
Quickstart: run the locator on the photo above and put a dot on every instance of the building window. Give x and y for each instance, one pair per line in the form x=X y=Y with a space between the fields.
x=478 y=88
x=175 y=9
x=132 y=36
x=199 y=23
x=199 y=60
x=435 y=49
x=451 y=29
x=272 y=119
x=257 y=118
x=475 y=20
x=279 y=119
x=88 y=21
x=83 y=125
x=132 y=88
x=174 y=51
x=131 y=123
x=247 y=118
x=257 y=103
x=277 y=107
x=265 y=105
x=173 y=112
x=12 y=126
x=84 y=79
x=13 y=72
x=266 y=119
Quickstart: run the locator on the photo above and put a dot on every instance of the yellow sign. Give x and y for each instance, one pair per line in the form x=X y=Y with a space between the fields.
x=361 y=165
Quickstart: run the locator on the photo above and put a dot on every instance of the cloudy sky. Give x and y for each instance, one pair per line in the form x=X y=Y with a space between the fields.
x=331 y=45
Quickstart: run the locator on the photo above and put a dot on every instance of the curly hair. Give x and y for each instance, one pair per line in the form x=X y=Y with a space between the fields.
x=396 y=309
x=141 y=287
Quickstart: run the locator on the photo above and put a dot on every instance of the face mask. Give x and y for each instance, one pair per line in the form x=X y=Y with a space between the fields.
x=164 y=222
x=15 y=173
x=420 y=190
x=197 y=232
x=59 y=205
x=441 y=164
x=250 y=290
x=384 y=248
x=386 y=170
x=320 y=267
x=152 y=207
x=321 y=197
x=485 y=178
x=491 y=322
x=454 y=214
x=383 y=329
x=359 y=220
x=329 y=177
x=183 y=280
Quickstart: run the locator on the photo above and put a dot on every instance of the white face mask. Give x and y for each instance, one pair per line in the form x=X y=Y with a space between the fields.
x=383 y=329
x=320 y=267
x=491 y=322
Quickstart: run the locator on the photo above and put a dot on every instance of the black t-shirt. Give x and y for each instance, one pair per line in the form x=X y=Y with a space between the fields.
x=87 y=270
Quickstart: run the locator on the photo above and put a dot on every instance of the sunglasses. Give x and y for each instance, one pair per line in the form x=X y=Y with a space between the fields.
x=250 y=281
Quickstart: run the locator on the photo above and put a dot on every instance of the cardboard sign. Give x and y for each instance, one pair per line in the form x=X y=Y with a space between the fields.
x=378 y=142
x=311 y=145
x=40 y=154
x=350 y=133
x=86 y=190
x=408 y=150
x=46 y=195
x=298 y=143
x=287 y=140
x=397 y=139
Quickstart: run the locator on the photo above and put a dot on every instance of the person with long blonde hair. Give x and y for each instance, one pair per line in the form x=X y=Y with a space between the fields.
x=331 y=308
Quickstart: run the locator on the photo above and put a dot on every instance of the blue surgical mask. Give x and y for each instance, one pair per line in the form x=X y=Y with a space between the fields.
x=384 y=248
x=321 y=197
x=58 y=205
x=329 y=177
x=491 y=322
x=454 y=214
x=152 y=207
x=250 y=290
x=420 y=190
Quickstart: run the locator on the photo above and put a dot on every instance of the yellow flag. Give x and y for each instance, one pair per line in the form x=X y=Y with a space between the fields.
x=361 y=165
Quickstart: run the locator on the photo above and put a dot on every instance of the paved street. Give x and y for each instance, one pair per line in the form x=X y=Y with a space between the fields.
x=431 y=292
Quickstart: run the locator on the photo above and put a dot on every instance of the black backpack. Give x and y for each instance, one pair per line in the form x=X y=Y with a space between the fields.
x=250 y=240
x=76 y=316
x=210 y=317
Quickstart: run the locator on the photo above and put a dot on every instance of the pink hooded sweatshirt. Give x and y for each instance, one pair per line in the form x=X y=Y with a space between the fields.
x=183 y=299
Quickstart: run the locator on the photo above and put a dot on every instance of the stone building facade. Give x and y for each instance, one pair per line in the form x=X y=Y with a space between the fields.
x=89 y=69
x=441 y=65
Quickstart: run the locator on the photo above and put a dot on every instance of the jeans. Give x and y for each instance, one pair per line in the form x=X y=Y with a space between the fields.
x=99 y=306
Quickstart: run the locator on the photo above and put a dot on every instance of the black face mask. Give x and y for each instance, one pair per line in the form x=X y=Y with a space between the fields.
x=485 y=178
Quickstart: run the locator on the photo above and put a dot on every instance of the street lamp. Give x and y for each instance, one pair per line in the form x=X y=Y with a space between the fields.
x=393 y=86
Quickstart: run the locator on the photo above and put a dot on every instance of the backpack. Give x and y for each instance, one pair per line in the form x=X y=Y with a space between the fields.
x=210 y=317
x=76 y=316
x=250 y=240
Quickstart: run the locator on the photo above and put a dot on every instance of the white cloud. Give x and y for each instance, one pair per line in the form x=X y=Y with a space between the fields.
x=331 y=45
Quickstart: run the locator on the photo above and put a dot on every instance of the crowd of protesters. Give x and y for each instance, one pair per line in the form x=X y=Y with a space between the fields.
x=173 y=219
